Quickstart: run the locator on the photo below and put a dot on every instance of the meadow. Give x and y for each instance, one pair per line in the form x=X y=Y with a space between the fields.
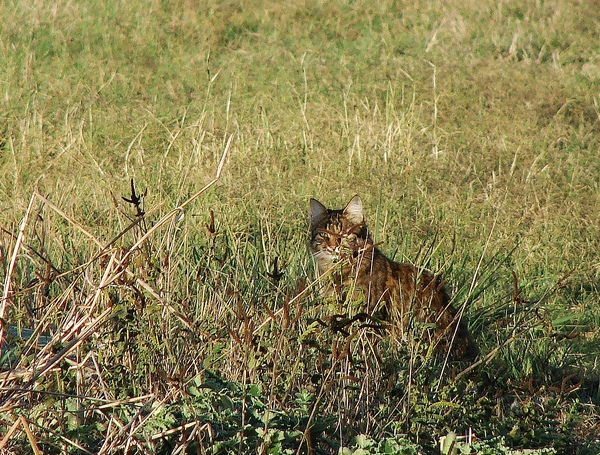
x=156 y=164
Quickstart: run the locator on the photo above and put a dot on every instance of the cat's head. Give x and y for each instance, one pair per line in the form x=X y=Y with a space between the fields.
x=337 y=235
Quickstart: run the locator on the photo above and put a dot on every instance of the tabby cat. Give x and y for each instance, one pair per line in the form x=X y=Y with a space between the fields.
x=342 y=247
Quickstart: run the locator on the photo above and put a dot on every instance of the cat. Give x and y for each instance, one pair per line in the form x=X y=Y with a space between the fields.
x=342 y=247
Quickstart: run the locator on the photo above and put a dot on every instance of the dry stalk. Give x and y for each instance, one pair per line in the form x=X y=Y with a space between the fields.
x=291 y=301
x=177 y=213
x=11 y=268
x=21 y=421
x=196 y=423
x=81 y=327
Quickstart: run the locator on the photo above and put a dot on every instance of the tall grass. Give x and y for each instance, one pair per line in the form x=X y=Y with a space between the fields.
x=470 y=132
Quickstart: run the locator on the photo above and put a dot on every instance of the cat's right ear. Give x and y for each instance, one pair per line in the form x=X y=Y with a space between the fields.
x=354 y=210
x=317 y=212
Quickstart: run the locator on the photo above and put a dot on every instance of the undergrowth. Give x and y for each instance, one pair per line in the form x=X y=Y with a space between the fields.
x=141 y=349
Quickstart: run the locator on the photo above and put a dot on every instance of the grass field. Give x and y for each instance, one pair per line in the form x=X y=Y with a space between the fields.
x=470 y=130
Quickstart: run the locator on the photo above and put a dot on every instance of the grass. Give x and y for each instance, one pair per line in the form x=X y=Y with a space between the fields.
x=470 y=132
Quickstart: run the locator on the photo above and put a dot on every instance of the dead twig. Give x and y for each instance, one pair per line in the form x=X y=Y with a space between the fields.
x=21 y=422
x=276 y=274
x=136 y=200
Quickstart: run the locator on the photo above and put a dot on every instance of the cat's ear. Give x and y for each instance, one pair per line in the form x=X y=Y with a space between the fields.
x=354 y=210
x=317 y=212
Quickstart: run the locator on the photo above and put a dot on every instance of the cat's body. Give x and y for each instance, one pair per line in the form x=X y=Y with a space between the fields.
x=396 y=292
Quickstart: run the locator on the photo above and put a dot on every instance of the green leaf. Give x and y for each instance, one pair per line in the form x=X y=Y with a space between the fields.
x=363 y=441
x=254 y=390
x=447 y=443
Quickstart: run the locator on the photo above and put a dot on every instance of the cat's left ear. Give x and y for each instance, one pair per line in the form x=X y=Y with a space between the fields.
x=317 y=212
x=354 y=210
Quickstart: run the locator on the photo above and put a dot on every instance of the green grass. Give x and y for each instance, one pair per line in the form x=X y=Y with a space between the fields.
x=470 y=132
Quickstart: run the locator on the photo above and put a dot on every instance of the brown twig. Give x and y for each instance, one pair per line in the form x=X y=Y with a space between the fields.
x=136 y=200
x=21 y=421
x=210 y=227
x=276 y=274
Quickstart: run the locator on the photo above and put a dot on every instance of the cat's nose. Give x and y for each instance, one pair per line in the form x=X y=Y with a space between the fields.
x=334 y=244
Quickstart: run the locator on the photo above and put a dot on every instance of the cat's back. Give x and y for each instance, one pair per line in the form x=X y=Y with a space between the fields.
x=412 y=286
x=407 y=276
